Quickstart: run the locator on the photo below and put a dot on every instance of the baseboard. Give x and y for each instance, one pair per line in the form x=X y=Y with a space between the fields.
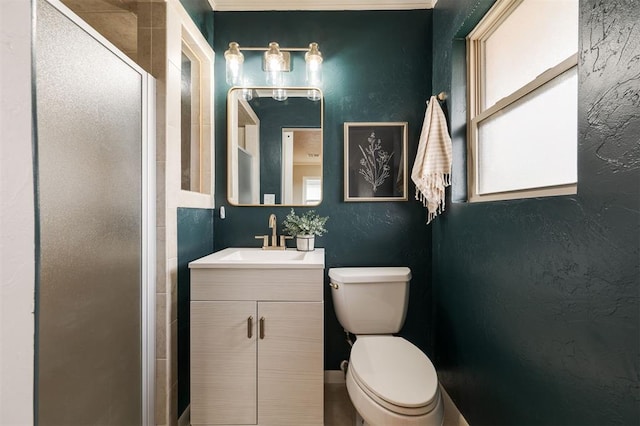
x=452 y=416
x=185 y=418
x=333 y=376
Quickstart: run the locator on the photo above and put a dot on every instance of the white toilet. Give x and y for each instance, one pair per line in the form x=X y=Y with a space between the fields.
x=389 y=380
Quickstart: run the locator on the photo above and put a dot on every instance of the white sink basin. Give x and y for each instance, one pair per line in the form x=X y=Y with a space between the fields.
x=264 y=255
x=240 y=257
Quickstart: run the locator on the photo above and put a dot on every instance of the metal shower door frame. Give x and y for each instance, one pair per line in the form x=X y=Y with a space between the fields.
x=148 y=209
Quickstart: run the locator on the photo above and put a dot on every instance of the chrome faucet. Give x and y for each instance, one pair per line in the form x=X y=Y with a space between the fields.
x=273 y=224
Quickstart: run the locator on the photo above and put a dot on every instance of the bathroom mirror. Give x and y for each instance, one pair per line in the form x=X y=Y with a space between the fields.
x=274 y=147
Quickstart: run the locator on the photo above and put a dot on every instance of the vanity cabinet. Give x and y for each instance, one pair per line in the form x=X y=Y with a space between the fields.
x=257 y=346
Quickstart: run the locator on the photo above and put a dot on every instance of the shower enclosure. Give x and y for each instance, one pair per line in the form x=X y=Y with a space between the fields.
x=94 y=158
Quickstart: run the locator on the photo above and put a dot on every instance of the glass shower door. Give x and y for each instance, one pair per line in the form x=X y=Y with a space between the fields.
x=91 y=204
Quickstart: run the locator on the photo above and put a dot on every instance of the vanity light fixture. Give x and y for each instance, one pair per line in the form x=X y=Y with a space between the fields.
x=274 y=65
x=274 y=59
x=234 y=59
x=313 y=58
x=275 y=62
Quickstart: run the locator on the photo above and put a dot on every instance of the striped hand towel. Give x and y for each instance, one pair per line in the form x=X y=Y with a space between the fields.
x=432 y=168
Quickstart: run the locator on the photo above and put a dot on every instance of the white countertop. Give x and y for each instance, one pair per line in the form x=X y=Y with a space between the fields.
x=254 y=258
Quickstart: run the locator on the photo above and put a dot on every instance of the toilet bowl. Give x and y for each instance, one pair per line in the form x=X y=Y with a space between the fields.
x=389 y=380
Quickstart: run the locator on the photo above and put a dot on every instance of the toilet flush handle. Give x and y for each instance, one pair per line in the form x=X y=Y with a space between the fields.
x=333 y=285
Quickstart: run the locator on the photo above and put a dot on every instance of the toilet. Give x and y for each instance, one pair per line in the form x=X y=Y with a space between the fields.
x=389 y=380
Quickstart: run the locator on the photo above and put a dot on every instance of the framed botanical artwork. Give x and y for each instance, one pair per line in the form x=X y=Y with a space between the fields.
x=375 y=161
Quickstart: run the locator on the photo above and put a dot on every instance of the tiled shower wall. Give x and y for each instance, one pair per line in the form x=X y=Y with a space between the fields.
x=161 y=26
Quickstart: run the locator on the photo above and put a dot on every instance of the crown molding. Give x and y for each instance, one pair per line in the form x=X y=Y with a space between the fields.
x=283 y=5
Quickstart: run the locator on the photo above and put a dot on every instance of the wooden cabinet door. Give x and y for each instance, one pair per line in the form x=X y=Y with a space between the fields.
x=223 y=362
x=290 y=363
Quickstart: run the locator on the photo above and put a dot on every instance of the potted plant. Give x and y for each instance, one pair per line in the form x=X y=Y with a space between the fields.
x=305 y=228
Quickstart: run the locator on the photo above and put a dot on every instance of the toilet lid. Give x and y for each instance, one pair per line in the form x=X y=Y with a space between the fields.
x=395 y=371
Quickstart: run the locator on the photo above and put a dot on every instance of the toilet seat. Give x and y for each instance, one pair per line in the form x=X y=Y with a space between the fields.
x=395 y=374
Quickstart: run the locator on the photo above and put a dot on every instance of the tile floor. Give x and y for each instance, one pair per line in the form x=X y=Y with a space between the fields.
x=338 y=410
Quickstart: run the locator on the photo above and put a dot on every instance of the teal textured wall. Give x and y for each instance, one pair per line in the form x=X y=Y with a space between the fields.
x=200 y=13
x=195 y=239
x=377 y=67
x=537 y=316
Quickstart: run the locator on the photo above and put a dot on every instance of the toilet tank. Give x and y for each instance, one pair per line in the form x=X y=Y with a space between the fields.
x=370 y=300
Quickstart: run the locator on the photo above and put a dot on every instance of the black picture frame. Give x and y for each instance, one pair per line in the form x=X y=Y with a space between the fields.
x=375 y=161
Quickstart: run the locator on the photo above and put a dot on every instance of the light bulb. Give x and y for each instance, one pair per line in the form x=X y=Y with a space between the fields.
x=274 y=64
x=313 y=58
x=314 y=95
x=234 y=60
x=279 y=94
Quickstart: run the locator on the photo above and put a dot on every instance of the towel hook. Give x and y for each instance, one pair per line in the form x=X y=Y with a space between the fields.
x=441 y=97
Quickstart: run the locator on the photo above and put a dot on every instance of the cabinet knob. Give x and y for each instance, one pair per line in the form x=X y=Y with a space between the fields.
x=249 y=327
x=262 y=327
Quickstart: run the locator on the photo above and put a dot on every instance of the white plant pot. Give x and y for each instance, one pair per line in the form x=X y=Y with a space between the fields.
x=305 y=242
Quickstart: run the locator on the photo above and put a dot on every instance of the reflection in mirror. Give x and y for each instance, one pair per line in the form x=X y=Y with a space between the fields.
x=274 y=147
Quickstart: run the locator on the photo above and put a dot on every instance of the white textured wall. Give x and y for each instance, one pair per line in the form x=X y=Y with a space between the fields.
x=16 y=216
